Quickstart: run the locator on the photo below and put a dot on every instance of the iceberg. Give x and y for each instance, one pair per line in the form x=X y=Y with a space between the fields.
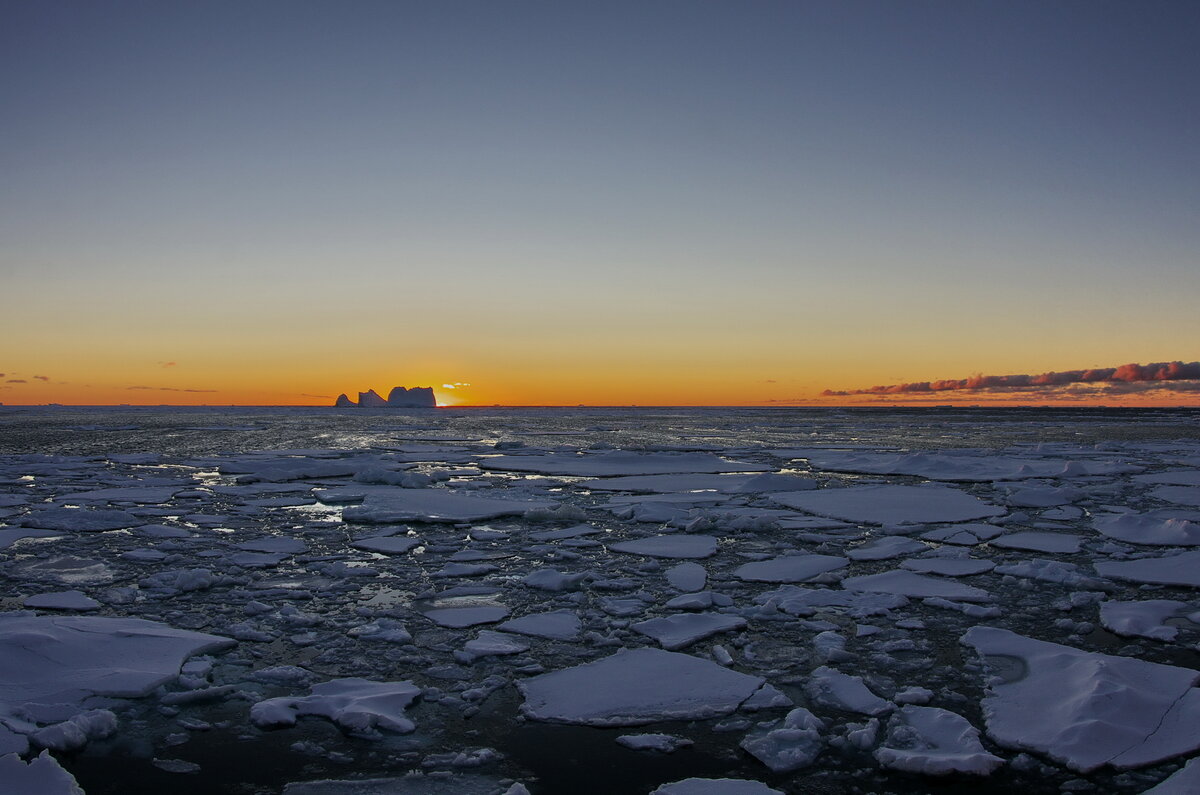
x=418 y=397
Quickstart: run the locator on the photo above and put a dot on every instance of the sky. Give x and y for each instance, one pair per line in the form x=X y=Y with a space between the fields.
x=547 y=203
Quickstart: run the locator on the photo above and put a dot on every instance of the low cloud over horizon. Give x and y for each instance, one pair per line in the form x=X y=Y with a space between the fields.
x=1127 y=378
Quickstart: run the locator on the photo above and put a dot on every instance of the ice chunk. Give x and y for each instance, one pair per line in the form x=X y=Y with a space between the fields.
x=491 y=644
x=359 y=706
x=610 y=464
x=715 y=786
x=789 y=568
x=635 y=687
x=890 y=504
x=64 y=659
x=1180 y=495
x=62 y=600
x=281 y=544
x=43 y=775
x=1091 y=709
x=1172 y=477
x=669 y=546
x=558 y=625
x=948 y=567
x=1181 y=569
x=934 y=742
x=390 y=505
x=963 y=534
x=906 y=583
x=793 y=746
x=679 y=631
x=843 y=691
x=1185 y=781
x=388 y=545
x=727 y=484
x=886 y=548
x=1146 y=619
x=1137 y=528
x=88 y=520
x=1065 y=543
x=574 y=531
x=806 y=602
x=459 y=617
x=962 y=468
x=687 y=577
x=663 y=743
x=1043 y=496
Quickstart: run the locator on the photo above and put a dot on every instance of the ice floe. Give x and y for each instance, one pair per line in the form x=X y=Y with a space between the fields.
x=635 y=687
x=887 y=504
x=1091 y=709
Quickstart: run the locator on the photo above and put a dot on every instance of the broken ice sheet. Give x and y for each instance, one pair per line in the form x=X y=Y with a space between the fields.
x=886 y=504
x=934 y=742
x=358 y=706
x=618 y=463
x=635 y=687
x=1088 y=709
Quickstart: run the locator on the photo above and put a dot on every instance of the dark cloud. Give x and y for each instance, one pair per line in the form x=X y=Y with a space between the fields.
x=1167 y=375
x=42 y=377
x=305 y=394
x=16 y=381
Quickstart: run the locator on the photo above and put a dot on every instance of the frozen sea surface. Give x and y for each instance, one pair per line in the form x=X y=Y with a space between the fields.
x=489 y=600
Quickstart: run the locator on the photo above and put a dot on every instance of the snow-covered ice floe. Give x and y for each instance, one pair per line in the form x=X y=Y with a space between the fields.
x=890 y=504
x=1086 y=709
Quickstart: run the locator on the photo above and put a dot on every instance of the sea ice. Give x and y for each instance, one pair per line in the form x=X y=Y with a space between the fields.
x=1183 y=569
x=842 y=691
x=390 y=506
x=64 y=659
x=907 y=583
x=358 y=706
x=1065 y=543
x=687 y=577
x=715 y=786
x=669 y=546
x=1138 y=528
x=42 y=775
x=726 y=484
x=558 y=625
x=789 y=568
x=663 y=743
x=62 y=600
x=611 y=464
x=388 y=545
x=1185 y=781
x=88 y=520
x=934 y=742
x=948 y=567
x=635 y=687
x=886 y=548
x=680 y=631
x=796 y=744
x=890 y=504
x=1146 y=619
x=459 y=617
x=1180 y=495
x=1091 y=709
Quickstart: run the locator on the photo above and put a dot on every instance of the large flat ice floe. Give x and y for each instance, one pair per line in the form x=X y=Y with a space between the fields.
x=392 y=505
x=635 y=687
x=65 y=659
x=1150 y=529
x=1085 y=709
x=890 y=504
x=1182 y=569
x=620 y=463
x=962 y=468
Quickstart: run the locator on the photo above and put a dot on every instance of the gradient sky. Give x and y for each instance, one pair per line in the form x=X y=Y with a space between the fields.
x=557 y=203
